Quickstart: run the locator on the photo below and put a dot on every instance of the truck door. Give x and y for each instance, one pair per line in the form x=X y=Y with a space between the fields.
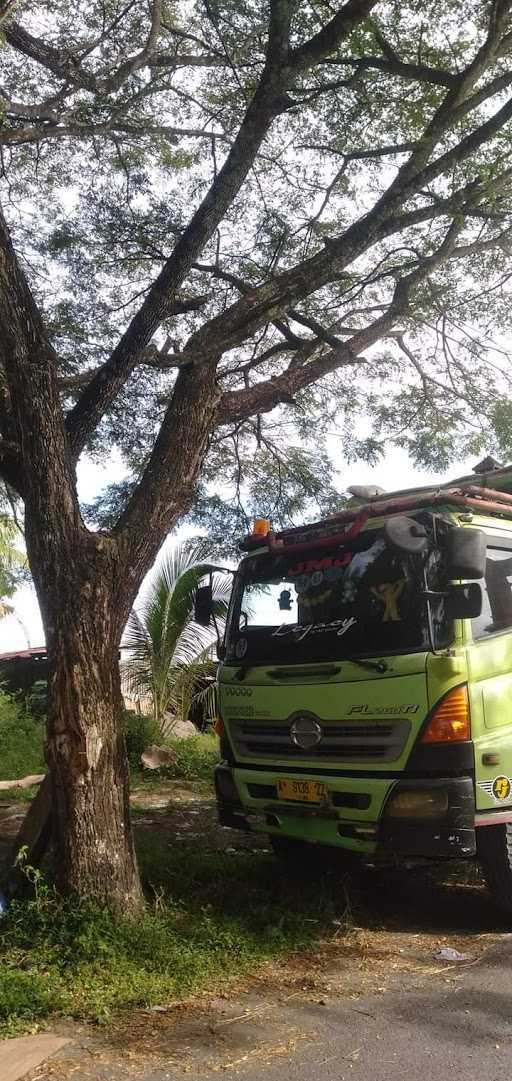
x=490 y=683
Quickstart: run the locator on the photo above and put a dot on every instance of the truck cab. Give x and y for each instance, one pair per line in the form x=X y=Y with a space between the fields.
x=365 y=684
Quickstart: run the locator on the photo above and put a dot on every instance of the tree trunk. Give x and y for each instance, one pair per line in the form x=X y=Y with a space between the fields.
x=85 y=748
x=86 y=755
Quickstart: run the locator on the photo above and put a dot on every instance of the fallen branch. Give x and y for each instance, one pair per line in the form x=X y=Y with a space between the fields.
x=23 y=782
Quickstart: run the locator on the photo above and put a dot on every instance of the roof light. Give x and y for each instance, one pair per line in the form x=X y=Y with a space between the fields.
x=449 y=721
x=261 y=527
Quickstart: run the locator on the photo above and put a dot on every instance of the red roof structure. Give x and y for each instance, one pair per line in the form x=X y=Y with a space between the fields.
x=36 y=651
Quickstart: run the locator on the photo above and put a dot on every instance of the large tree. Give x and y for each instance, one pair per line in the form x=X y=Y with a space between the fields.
x=224 y=221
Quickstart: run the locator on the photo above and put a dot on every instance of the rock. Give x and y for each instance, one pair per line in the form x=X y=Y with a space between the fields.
x=154 y=757
x=176 y=729
x=447 y=953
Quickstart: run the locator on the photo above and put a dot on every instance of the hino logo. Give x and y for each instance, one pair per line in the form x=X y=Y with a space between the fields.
x=305 y=731
x=241 y=692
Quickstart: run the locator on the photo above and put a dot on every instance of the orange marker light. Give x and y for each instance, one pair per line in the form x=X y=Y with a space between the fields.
x=261 y=526
x=450 y=718
x=218 y=726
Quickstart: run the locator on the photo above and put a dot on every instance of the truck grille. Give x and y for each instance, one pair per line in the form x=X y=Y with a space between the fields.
x=348 y=741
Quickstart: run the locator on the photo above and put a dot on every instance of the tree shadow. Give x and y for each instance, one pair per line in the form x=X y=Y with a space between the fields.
x=189 y=858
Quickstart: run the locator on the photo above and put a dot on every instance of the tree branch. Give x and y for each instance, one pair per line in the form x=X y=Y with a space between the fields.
x=266 y=395
x=28 y=361
x=416 y=72
x=186 y=60
x=331 y=35
x=270 y=301
x=265 y=105
x=60 y=62
x=7 y=7
x=33 y=134
x=124 y=71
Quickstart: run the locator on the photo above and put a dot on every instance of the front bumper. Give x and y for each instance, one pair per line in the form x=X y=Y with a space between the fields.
x=451 y=836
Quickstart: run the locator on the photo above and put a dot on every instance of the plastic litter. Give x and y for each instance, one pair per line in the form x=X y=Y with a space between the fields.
x=449 y=954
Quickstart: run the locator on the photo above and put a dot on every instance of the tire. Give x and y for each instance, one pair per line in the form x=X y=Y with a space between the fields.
x=494 y=849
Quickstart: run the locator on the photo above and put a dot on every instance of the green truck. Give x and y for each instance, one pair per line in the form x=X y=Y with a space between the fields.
x=365 y=684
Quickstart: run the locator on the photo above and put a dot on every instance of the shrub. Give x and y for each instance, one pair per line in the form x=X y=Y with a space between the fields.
x=21 y=740
x=37 y=698
x=196 y=757
x=139 y=731
x=24 y=996
x=216 y=916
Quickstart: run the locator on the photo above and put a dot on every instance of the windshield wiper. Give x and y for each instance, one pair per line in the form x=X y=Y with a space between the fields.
x=374 y=666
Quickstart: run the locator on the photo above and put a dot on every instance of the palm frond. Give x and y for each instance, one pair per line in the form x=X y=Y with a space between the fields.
x=163 y=642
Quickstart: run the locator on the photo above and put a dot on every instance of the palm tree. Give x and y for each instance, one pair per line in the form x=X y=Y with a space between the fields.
x=13 y=562
x=166 y=648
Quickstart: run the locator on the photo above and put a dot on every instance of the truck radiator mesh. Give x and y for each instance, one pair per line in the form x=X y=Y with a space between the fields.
x=347 y=741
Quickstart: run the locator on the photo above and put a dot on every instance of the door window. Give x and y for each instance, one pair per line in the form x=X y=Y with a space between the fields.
x=496 y=614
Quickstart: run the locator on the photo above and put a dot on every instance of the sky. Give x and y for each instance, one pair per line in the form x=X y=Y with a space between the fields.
x=24 y=628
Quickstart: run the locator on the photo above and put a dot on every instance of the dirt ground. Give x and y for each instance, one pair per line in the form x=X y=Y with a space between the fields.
x=403 y=920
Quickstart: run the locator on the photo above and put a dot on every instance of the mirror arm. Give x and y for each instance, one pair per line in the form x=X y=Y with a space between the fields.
x=428 y=594
x=214 y=621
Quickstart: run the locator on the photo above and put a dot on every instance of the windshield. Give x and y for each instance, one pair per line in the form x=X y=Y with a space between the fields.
x=326 y=604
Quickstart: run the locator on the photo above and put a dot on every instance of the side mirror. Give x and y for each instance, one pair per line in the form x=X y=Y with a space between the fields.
x=406 y=535
x=464 y=602
x=466 y=551
x=203 y=606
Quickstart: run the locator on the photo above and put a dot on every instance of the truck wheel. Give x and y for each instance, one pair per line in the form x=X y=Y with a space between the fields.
x=494 y=848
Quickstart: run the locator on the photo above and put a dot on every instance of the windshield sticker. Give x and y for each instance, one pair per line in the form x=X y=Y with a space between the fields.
x=388 y=594
x=349 y=590
x=294 y=606
x=241 y=648
x=311 y=602
x=341 y=626
x=314 y=567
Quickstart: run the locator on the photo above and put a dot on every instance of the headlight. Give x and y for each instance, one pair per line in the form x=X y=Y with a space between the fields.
x=415 y=803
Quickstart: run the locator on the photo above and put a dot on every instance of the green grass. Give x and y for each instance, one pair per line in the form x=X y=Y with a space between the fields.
x=212 y=917
x=21 y=747
x=196 y=757
x=21 y=740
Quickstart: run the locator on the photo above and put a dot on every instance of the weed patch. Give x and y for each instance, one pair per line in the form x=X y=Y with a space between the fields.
x=21 y=740
x=196 y=757
x=211 y=918
x=139 y=731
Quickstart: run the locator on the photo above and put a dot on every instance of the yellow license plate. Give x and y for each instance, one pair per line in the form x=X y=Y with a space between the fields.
x=302 y=791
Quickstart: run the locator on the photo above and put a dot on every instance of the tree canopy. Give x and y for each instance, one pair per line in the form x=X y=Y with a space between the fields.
x=312 y=200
